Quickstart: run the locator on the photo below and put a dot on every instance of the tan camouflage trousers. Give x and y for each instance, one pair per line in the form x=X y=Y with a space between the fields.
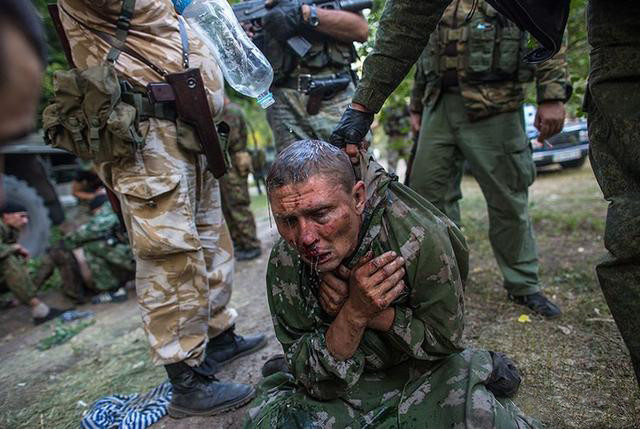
x=182 y=248
x=290 y=122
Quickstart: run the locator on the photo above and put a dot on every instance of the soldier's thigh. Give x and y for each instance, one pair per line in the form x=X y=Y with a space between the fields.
x=330 y=113
x=287 y=118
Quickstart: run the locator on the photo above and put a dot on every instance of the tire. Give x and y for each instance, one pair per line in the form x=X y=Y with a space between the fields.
x=35 y=236
x=575 y=163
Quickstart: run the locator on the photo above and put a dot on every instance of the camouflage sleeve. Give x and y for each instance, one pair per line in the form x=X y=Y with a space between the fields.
x=304 y=343
x=120 y=256
x=403 y=32
x=552 y=77
x=419 y=85
x=97 y=227
x=430 y=325
x=6 y=250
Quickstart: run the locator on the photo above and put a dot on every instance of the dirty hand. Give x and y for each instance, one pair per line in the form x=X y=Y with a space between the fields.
x=334 y=290
x=374 y=284
x=352 y=129
x=549 y=119
x=416 y=119
x=21 y=251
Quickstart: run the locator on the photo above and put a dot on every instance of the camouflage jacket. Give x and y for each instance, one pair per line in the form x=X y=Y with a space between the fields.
x=403 y=32
x=429 y=317
x=154 y=34
x=8 y=237
x=482 y=54
x=103 y=246
x=234 y=117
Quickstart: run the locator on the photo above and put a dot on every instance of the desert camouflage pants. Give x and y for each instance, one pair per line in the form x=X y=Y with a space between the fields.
x=613 y=106
x=14 y=277
x=290 y=121
x=236 y=202
x=182 y=248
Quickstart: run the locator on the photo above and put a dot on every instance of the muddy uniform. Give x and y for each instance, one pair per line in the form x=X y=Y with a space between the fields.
x=415 y=375
x=170 y=202
x=613 y=107
x=397 y=126
x=469 y=88
x=288 y=117
x=234 y=186
x=14 y=276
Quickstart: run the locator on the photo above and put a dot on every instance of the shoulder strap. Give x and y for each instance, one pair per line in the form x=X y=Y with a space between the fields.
x=117 y=42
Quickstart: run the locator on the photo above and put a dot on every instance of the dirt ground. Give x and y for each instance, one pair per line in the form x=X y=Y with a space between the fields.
x=576 y=369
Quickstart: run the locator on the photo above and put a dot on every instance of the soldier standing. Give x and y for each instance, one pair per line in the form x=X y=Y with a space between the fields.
x=613 y=106
x=234 y=187
x=469 y=91
x=295 y=114
x=170 y=201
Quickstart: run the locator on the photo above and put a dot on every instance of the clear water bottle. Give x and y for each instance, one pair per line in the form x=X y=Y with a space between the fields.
x=245 y=68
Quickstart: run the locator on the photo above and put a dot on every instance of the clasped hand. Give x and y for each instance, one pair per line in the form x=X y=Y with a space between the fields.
x=366 y=290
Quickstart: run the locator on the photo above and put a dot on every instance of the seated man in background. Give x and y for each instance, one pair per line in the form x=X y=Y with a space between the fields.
x=366 y=293
x=87 y=185
x=95 y=259
x=14 y=275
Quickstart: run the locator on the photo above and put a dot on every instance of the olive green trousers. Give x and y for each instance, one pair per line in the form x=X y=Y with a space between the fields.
x=499 y=155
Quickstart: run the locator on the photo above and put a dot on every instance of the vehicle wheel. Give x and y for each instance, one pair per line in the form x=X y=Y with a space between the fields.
x=35 y=236
x=575 y=163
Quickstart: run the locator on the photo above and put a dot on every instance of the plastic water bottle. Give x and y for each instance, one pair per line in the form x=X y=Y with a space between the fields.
x=245 y=68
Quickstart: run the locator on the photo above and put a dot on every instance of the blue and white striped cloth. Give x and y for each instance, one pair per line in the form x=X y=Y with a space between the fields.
x=128 y=411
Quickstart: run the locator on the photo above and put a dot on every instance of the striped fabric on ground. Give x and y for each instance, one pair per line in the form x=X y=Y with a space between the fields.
x=128 y=411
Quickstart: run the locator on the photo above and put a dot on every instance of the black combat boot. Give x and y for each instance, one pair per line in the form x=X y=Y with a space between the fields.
x=227 y=347
x=538 y=303
x=197 y=395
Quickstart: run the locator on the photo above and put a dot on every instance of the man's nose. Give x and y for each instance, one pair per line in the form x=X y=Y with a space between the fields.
x=308 y=235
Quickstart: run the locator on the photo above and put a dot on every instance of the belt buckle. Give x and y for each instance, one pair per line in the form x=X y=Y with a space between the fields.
x=304 y=81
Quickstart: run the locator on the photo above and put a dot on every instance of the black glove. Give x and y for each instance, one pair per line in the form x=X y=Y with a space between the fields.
x=284 y=20
x=352 y=128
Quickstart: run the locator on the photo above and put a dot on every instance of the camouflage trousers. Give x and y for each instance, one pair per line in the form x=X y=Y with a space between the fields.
x=14 y=278
x=613 y=109
x=451 y=395
x=181 y=245
x=290 y=121
x=499 y=155
x=236 y=202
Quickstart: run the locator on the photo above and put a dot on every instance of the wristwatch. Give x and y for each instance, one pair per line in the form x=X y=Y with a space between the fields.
x=313 y=16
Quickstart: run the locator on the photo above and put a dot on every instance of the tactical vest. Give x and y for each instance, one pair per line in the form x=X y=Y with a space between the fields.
x=489 y=48
x=325 y=54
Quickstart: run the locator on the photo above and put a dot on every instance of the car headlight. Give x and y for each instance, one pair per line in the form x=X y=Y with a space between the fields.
x=583 y=135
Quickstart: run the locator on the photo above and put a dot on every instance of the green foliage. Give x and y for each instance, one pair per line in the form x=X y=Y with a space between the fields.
x=63 y=332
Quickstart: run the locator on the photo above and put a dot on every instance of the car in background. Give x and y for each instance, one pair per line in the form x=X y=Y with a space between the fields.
x=569 y=148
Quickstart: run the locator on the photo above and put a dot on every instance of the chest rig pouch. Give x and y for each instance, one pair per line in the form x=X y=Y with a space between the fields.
x=87 y=115
x=495 y=48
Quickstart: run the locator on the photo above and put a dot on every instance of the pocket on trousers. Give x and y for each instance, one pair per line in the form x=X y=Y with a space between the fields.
x=517 y=169
x=162 y=221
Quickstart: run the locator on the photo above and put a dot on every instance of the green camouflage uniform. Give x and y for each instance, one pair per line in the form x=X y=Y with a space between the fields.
x=109 y=256
x=170 y=201
x=288 y=117
x=613 y=107
x=415 y=375
x=234 y=186
x=14 y=276
x=397 y=126
x=470 y=82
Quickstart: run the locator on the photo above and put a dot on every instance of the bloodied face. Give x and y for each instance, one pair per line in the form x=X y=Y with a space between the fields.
x=320 y=219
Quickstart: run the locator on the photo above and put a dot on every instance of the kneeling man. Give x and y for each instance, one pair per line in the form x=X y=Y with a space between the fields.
x=366 y=293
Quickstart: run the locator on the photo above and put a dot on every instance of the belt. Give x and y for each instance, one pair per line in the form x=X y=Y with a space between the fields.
x=147 y=109
x=302 y=82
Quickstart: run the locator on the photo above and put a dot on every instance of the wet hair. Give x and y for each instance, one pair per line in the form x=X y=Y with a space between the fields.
x=306 y=158
x=23 y=15
x=10 y=207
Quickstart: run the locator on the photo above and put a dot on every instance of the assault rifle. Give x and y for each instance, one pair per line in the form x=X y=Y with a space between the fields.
x=254 y=10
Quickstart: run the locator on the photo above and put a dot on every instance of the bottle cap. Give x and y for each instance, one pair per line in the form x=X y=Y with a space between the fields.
x=266 y=99
x=181 y=5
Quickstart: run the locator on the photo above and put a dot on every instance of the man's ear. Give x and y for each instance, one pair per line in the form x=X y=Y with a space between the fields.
x=359 y=196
